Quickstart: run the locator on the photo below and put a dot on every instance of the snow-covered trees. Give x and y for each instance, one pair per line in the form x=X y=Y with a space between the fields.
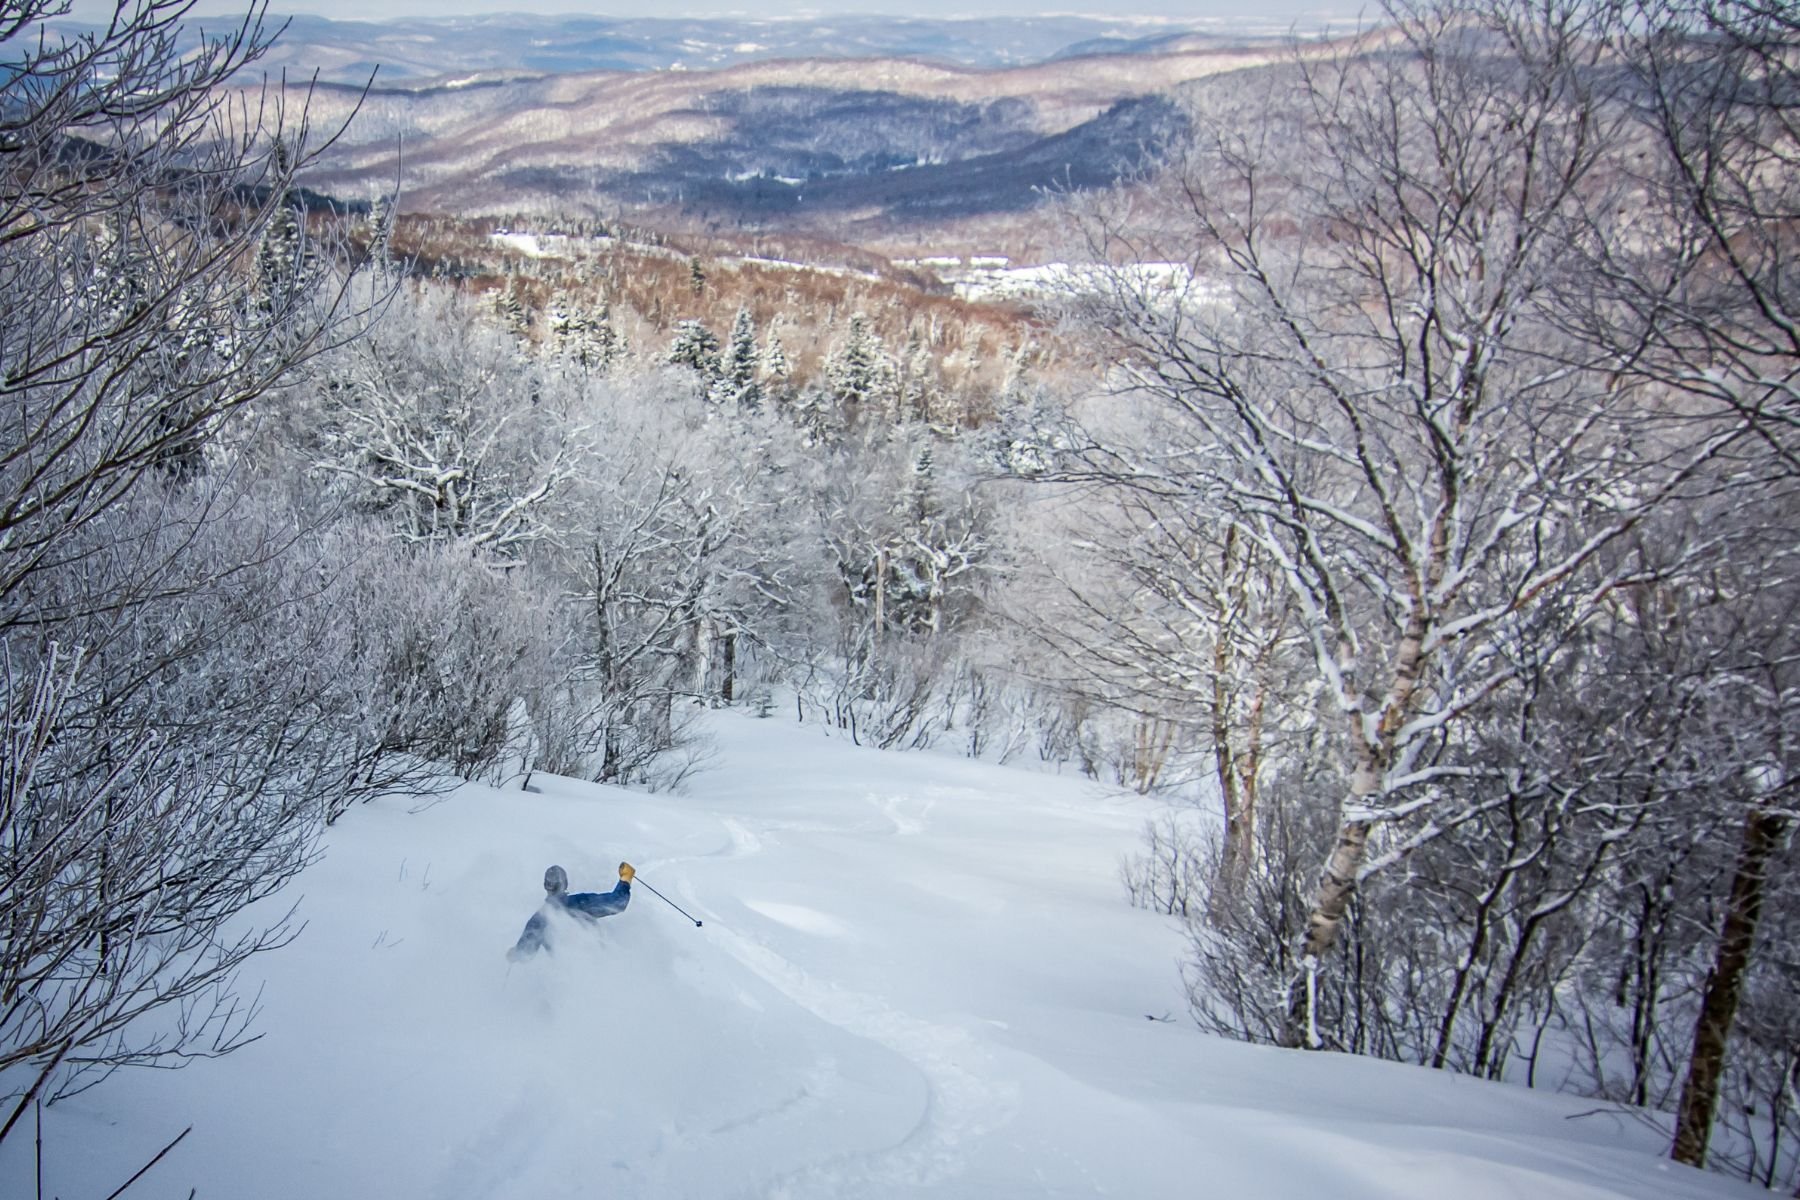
x=584 y=338
x=1371 y=451
x=1705 y=284
x=442 y=424
x=1158 y=609
x=696 y=348
x=1706 y=277
x=639 y=577
x=673 y=565
x=123 y=865
x=1460 y=411
x=905 y=538
x=381 y=234
x=1434 y=526
x=738 y=368
x=164 y=763
x=281 y=254
x=511 y=311
x=859 y=375
x=776 y=370
x=432 y=645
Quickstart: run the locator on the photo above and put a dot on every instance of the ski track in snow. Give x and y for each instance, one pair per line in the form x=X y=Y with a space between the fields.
x=488 y=1165
x=961 y=1105
x=743 y=842
x=895 y=808
x=800 y=917
x=740 y=842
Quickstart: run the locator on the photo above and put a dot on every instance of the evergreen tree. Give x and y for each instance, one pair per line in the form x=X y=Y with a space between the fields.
x=776 y=370
x=696 y=275
x=603 y=345
x=859 y=373
x=933 y=541
x=1013 y=383
x=124 y=275
x=381 y=233
x=968 y=363
x=817 y=413
x=584 y=339
x=280 y=253
x=1027 y=438
x=566 y=326
x=116 y=284
x=918 y=398
x=738 y=370
x=697 y=349
x=511 y=310
x=197 y=348
x=924 y=475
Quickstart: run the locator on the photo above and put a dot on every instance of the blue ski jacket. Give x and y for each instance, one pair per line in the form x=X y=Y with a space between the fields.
x=599 y=904
x=591 y=905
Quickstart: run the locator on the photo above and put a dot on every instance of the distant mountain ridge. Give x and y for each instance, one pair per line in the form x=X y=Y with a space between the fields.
x=858 y=151
x=409 y=50
x=866 y=131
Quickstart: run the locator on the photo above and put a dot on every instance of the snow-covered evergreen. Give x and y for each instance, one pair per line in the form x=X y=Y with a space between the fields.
x=738 y=384
x=696 y=348
x=860 y=375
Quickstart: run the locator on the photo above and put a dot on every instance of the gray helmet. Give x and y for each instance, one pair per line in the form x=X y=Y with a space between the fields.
x=556 y=881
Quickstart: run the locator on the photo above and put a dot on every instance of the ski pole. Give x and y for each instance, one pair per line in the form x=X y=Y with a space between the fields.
x=638 y=878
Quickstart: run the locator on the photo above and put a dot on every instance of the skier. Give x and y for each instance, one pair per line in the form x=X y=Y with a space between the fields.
x=589 y=905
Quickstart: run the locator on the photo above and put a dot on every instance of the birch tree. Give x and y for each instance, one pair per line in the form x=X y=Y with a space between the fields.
x=1159 y=609
x=1706 y=282
x=1357 y=371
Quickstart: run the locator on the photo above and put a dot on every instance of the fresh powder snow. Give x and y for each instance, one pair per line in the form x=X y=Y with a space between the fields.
x=917 y=976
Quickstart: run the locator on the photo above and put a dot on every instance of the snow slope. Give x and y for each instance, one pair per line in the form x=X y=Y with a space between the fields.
x=917 y=977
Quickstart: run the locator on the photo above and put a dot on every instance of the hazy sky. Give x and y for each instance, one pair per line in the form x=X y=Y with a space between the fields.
x=1193 y=10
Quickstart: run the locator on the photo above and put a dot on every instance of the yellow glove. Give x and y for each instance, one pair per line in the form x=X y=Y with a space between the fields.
x=626 y=872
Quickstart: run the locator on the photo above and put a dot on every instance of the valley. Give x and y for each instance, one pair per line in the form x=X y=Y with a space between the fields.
x=901 y=155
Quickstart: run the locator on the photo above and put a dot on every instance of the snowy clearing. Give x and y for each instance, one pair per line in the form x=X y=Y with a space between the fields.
x=917 y=977
x=528 y=244
x=992 y=278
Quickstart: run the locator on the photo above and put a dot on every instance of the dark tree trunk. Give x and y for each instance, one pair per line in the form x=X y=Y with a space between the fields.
x=730 y=667
x=1700 y=1093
